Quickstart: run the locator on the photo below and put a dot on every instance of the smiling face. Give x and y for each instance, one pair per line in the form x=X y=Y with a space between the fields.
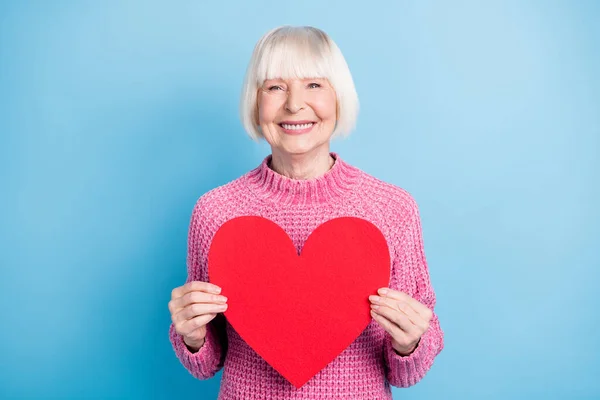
x=297 y=116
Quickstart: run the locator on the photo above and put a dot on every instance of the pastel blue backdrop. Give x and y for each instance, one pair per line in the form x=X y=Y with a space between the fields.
x=116 y=116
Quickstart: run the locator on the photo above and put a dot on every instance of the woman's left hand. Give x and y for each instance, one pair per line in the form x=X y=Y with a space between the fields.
x=403 y=317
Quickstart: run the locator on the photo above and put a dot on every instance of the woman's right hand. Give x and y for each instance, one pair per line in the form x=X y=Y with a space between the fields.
x=192 y=307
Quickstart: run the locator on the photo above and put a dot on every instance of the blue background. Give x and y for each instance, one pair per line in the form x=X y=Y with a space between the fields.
x=116 y=116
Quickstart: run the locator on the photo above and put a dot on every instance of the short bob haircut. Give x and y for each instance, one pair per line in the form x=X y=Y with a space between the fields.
x=289 y=52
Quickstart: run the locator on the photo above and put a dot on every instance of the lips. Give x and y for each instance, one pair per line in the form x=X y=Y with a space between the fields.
x=297 y=126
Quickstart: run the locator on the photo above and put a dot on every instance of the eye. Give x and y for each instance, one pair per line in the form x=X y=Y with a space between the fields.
x=313 y=83
x=274 y=87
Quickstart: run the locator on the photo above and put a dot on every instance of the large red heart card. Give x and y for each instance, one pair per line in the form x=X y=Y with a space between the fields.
x=298 y=311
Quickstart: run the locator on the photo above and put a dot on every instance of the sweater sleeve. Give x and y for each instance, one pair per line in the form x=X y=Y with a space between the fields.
x=409 y=270
x=209 y=359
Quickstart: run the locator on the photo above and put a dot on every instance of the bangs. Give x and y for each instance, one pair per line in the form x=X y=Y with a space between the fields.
x=294 y=55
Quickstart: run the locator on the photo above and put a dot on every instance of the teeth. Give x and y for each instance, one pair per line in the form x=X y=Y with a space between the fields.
x=297 y=127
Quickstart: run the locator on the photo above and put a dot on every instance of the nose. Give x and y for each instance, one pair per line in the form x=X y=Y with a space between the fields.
x=294 y=101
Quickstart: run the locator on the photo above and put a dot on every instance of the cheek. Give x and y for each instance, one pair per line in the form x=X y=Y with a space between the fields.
x=325 y=107
x=267 y=109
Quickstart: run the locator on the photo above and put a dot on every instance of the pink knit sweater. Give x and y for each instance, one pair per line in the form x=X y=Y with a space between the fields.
x=369 y=365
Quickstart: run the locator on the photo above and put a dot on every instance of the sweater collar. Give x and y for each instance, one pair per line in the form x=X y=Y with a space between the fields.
x=337 y=182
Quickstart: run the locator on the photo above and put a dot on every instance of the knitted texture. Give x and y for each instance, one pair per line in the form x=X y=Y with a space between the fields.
x=369 y=365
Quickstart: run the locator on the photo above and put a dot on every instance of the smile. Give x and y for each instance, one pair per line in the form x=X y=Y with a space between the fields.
x=297 y=127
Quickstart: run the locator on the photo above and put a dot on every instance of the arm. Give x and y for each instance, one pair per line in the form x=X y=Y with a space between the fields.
x=409 y=270
x=209 y=359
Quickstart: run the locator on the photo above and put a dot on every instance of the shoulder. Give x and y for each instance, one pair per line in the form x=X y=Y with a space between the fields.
x=397 y=200
x=220 y=203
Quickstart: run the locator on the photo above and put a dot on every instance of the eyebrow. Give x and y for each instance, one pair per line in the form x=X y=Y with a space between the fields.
x=303 y=79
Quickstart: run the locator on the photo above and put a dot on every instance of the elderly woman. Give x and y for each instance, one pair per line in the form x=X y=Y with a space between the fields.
x=298 y=95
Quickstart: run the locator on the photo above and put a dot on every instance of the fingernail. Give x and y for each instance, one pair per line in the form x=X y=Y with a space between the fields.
x=217 y=289
x=383 y=291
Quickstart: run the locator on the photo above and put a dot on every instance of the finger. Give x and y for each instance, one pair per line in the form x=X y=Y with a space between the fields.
x=398 y=295
x=195 y=285
x=389 y=326
x=194 y=310
x=398 y=318
x=195 y=297
x=405 y=308
x=189 y=326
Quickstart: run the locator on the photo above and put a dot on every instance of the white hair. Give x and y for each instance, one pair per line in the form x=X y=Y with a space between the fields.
x=288 y=52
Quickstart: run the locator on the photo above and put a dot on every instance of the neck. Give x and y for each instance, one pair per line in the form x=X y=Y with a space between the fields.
x=302 y=166
x=334 y=184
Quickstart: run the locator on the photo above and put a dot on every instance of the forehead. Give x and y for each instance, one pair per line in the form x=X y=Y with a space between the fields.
x=293 y=61
x=295 y=79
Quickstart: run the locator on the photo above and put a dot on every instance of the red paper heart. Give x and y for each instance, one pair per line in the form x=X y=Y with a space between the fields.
x=299 y=312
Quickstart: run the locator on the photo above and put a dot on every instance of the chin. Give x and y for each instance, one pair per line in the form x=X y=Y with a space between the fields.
x=297 y=150
x=301 y=148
